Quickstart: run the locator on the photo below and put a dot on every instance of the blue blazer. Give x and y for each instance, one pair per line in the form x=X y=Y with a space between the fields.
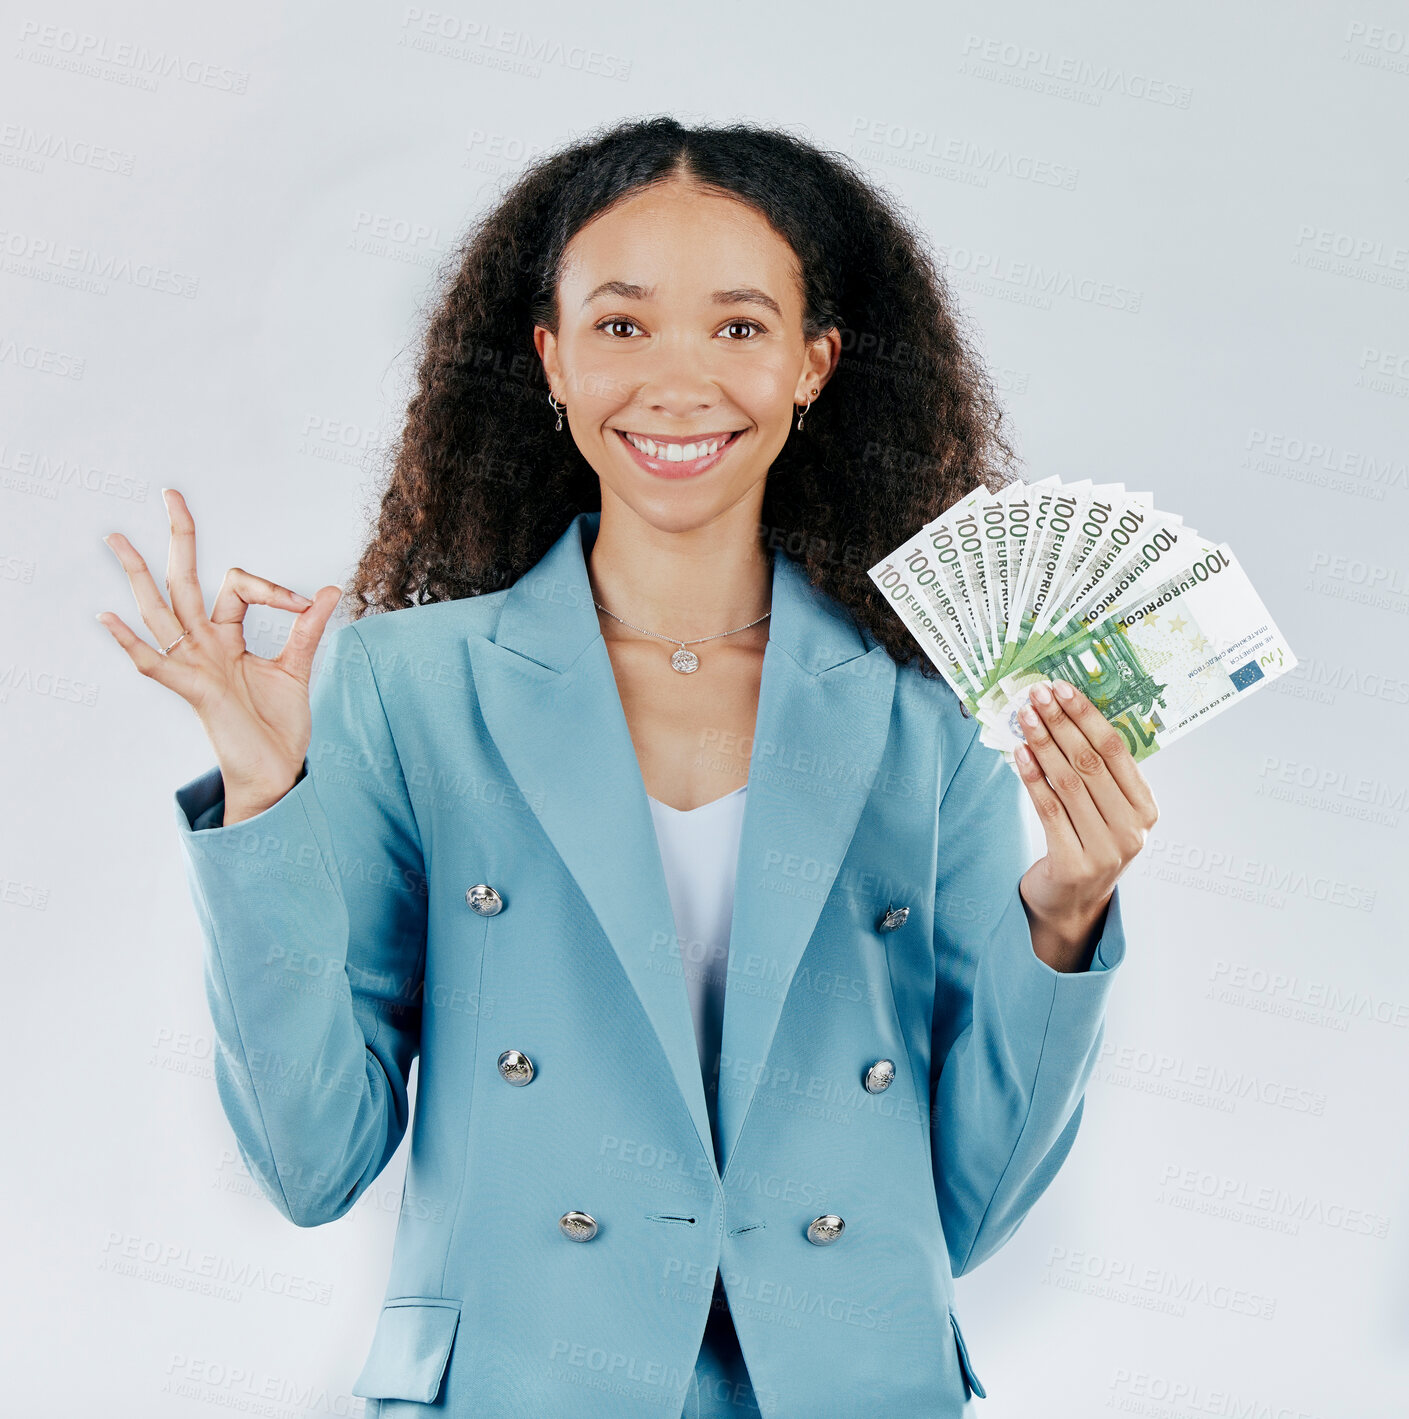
x=481 y=743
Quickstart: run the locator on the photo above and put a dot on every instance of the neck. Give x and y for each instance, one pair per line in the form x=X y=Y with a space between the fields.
x=701 y=581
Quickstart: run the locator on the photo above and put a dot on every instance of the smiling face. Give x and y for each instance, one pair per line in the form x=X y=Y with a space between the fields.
x=679 y=352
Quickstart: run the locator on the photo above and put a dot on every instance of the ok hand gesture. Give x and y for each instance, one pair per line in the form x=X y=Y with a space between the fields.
x=255 y=711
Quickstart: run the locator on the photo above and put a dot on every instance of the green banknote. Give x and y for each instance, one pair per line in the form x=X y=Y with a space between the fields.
x=1160 y=628
x=1158 y=665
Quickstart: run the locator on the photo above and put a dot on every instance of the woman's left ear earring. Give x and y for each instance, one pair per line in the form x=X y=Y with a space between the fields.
x=806 y=407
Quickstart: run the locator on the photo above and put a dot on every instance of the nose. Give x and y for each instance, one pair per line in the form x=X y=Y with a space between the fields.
x=677 y=384
x=678 y=404
x=679 y=399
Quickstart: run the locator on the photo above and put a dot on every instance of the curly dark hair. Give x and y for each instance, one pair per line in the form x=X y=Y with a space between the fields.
x=480 y=484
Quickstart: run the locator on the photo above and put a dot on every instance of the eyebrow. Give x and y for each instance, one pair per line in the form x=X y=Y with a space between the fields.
x=741 y=295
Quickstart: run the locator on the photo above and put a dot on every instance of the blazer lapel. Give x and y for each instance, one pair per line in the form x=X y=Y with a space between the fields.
x=823 y=720
x=549 y=698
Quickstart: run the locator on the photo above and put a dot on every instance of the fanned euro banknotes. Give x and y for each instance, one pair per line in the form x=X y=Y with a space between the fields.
x=1159 y=627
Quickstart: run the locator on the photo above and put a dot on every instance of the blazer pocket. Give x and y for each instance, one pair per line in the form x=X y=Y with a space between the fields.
x=410 y=1349
x=971 y=1381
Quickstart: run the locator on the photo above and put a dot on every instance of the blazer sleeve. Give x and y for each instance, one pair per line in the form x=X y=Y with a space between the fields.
x=1014 y=1040
x=313 y=914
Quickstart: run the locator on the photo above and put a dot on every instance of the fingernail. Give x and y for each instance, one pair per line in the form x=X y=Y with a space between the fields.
x=1042 y=694
x=1063 y=689
x=299 y=596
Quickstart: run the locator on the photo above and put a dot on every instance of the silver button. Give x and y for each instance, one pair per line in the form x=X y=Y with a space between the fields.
x=824 y=1230
x=515 y=1067
x=578 y=1226
x=892 y=917
x=484 y=899
x=880 y=1076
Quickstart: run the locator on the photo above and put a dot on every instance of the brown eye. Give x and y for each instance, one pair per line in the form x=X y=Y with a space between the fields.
x=743 y=325
x=614 y=320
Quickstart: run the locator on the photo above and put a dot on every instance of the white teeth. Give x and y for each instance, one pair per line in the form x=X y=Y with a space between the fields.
x=674 y=452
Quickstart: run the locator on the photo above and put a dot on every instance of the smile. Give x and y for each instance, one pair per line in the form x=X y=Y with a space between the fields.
x=678 y=457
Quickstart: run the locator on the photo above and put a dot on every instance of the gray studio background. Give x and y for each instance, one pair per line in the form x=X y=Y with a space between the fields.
x=1182 y=235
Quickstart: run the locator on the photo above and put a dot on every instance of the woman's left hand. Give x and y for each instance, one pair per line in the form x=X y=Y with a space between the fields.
x=1095 y=807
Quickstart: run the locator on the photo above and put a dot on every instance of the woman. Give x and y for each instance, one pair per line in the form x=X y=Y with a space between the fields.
x=628 y=646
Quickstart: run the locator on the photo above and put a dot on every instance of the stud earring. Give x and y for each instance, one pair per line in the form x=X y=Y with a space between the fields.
x=806 y=407
x=559 y=408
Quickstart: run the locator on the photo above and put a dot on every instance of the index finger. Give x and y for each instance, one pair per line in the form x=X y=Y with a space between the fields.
x=1110 y=744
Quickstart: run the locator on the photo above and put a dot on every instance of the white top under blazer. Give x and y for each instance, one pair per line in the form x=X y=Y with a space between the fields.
x=699 y=849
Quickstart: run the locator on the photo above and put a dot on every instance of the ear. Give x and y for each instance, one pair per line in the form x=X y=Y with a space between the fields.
x=546 y=343
x=820 y=359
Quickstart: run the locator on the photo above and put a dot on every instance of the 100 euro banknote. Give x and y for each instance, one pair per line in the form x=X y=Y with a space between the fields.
x=1086 y=582
x=1159 y=664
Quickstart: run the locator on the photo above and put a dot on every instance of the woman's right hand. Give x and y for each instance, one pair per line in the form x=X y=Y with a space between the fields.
x=254 y=710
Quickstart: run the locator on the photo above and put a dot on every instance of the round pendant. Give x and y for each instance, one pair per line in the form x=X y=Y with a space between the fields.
x=684 y=661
